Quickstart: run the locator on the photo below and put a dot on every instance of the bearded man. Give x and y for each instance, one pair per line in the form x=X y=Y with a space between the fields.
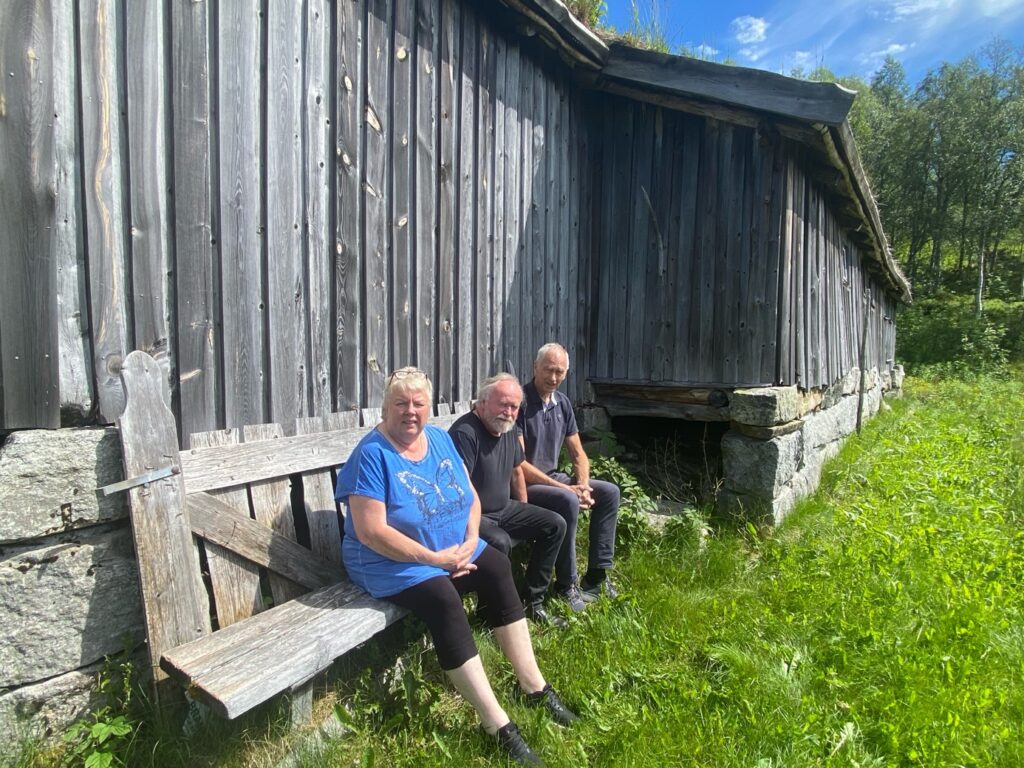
x=486 y=439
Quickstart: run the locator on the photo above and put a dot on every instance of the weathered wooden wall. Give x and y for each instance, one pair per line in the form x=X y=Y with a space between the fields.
x=281 y=202
x=717 y=262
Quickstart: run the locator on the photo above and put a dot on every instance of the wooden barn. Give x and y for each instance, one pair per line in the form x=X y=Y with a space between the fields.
x=282 y=202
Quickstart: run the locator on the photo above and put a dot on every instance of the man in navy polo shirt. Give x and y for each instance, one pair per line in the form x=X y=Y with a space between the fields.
x=545 y=422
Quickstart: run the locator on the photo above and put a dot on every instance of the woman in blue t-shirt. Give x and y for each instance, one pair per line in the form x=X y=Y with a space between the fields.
x=411 y=538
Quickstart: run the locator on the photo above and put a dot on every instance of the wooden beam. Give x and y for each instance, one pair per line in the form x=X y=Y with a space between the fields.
x=620 y=406
x=218 y=522
x=826 y=103
x=562 y=31
x=662 y=392
x=239 y=667
x=224 y=466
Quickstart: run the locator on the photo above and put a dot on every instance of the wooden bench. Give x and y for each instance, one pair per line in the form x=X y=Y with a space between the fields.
x=236 y=610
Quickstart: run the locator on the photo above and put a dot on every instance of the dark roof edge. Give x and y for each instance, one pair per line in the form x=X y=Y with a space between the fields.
x=826 y=103
x=563 y=31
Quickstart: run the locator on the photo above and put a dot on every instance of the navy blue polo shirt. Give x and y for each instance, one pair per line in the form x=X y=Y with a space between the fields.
x=544 y=427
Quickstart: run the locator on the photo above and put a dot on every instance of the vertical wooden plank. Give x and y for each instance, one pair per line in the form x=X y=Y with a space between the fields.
x=29 y=362
x=376 y=190
x=146 y=50
x=272 y=506
x=485 y=168
x=703 y=312
x=319 y=193
x=197 y=290
x=235 y=581
x=103 y=144
x=474 y=320
x=511 y=309
x=687 y=252
x=799 y=277
x=173 y=598
x=496 y=267
x=773 y=205
x=444 y=380
x=578 y=138
x=563 y=226
x=239 y=107
x=348 y=249
x=427 y=52
x=402 y=192
x=784 y=348
x=607 y=169
x=68 y=240
x=321 y=509
x=538 y=214
x=527 y=191
x=286 y=288
x=551 y=164
x=641 y=211
x=737 y=340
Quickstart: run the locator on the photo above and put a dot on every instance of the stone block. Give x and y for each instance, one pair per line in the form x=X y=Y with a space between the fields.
x=897 y=377
x=44 y=710
x=754 y=508
x=760 y=467
x=885 y=377
x=764 y=406
x=48 y=481
x=593 y=418
x=766 y=433
x=67 y=604
x=822 y=427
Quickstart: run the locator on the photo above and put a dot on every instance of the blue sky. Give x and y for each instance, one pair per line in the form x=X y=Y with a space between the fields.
x=850 y=37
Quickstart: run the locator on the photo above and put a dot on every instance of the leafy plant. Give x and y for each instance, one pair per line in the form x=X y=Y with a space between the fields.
x=104 y=738
x=589 y=12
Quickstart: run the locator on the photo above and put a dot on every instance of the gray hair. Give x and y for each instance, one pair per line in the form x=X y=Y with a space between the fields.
x=547 y=349
x=408 y=379
x=489 y=384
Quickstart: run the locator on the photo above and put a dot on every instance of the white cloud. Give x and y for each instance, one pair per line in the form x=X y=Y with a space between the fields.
x=897 y=10
x=702 y=51
x=872 y=60
x=749 y=29
x=754 y=54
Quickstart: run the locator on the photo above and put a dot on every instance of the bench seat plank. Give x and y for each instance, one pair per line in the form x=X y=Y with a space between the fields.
x=243 y=665
x=215 y=521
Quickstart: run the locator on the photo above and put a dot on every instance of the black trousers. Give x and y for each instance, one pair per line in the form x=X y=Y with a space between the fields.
x=437 y=602
x=518 y=521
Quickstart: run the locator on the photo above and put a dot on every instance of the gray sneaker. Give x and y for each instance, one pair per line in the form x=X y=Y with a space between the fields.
x=591 y=592
x=571 y=595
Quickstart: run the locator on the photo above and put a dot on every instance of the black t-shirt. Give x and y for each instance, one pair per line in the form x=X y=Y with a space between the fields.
x=489 y=459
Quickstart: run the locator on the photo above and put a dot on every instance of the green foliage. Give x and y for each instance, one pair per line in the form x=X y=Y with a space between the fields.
x=104 y=738
x=634 y=505
x=943 y=336
x=589 y=12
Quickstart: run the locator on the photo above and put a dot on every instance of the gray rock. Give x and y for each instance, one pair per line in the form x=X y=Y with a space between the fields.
x=764 y=406
x=851 y=381
x=840 y=388
x=897 y=377
x=822 y=427
x=593 y=418
x=760 y=467
x=885 y=376
x=48 y=481
x=44 y=710
x=68 y=604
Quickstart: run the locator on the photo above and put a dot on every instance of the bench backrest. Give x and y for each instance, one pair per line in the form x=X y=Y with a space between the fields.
x=219 y=539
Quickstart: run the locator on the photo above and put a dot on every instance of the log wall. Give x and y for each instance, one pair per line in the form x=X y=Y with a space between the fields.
x=281 y=202
x=718 y=262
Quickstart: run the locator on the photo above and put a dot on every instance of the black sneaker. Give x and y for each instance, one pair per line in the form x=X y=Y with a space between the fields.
x=547 y=698
x=591 y=592
x=537 y=613
x=511 y=742
x=572 y=596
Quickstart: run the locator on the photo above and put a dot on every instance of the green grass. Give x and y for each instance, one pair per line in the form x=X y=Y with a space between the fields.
x=881 y=625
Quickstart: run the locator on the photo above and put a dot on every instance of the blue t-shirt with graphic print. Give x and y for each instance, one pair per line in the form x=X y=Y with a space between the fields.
x=428 y=500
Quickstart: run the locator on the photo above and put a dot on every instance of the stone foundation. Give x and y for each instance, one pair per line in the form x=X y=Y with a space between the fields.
x=780 y=438
x=69 y=591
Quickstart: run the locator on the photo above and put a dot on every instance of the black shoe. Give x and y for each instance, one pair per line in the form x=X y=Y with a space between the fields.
x=511 y=742
x=592 y=592
x=537 y=613
x=547 y=698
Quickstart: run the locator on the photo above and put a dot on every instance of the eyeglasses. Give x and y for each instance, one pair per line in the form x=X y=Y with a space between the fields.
x=404 y=373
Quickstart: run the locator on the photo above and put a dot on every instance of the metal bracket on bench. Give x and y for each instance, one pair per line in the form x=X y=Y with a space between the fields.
x=133 y=482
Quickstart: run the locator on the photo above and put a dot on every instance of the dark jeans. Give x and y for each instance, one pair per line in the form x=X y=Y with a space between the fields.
x=603 y=517
x=518 y=521
x=437 y=602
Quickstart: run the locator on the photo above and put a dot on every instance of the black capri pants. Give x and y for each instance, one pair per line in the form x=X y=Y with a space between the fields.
x=437 y=602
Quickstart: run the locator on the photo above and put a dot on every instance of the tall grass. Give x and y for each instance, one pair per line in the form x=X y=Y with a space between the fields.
x=881 y=625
